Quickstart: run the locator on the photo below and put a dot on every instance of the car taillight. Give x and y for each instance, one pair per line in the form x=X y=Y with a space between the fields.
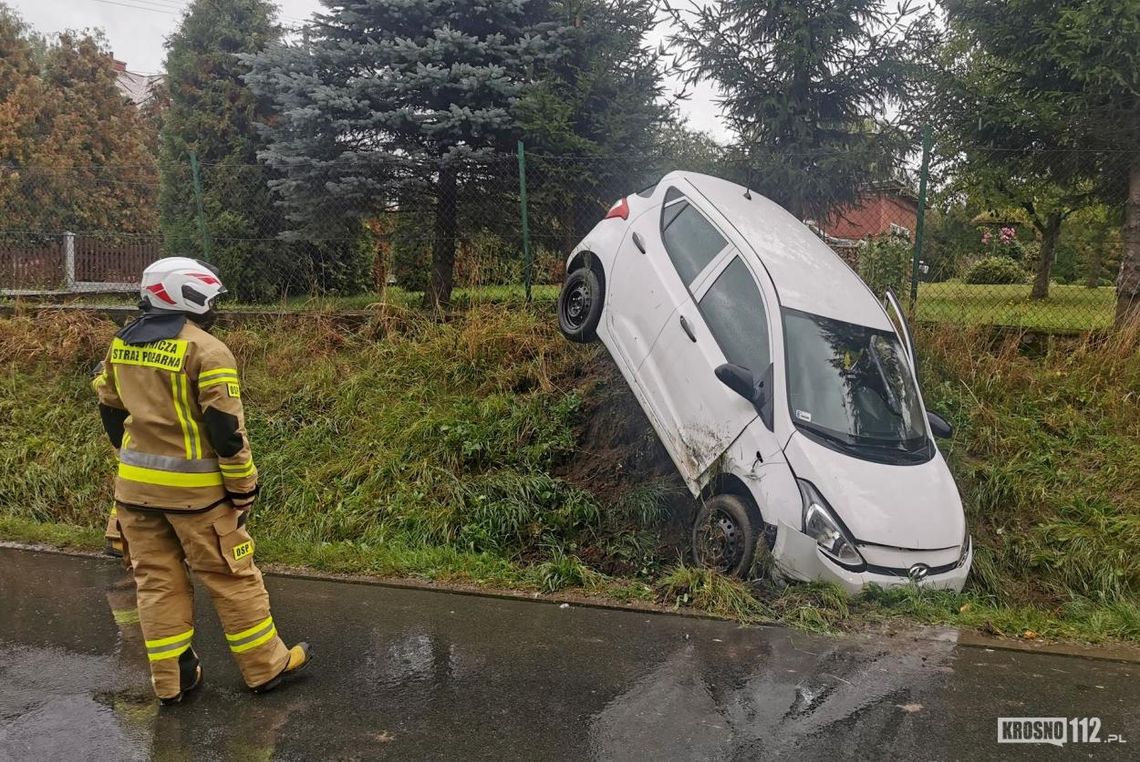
x=619 y=210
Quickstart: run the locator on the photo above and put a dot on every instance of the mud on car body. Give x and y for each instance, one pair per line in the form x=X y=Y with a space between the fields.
x=785 y=395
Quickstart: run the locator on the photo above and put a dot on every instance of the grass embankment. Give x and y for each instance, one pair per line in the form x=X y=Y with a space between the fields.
x=489 y=451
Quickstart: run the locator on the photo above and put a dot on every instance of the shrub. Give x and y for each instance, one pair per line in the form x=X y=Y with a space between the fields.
x=995 y=270
x=1004 y=243
x=884 y=263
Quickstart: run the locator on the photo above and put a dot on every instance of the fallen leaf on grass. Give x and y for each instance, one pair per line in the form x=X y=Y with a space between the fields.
x=1029 y=635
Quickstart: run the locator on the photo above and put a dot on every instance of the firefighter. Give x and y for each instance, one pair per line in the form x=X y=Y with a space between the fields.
x=170 y=402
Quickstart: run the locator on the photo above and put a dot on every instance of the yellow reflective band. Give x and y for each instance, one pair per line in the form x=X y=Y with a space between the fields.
x=255 y=643
x=178 y=411
x=217 y=380
x=246 y=633
x=167 y=354
x=238 y=472
x=168 y=654
x=195 y=432
x=217 y=372
x=171 y=640
x=169 y=478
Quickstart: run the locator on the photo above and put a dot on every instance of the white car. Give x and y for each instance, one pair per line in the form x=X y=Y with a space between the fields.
x=774 y=377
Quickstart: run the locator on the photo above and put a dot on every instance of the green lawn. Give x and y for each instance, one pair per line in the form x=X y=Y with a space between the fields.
x=1067 y=308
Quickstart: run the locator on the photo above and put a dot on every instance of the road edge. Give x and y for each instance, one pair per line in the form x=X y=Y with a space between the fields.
x=1119 y=652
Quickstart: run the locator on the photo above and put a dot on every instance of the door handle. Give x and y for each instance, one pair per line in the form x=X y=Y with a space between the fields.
x=639 y=242
x=688 y=329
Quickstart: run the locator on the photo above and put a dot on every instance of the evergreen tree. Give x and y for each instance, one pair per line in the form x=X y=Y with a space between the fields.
x=388 y=101
x=214 y=114
x=598 y=109
x=807 y=86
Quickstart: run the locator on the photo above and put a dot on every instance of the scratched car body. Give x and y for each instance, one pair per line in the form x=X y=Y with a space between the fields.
x=784 y=393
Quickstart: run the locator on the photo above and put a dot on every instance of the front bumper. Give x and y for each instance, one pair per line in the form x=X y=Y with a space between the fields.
x=797 y=556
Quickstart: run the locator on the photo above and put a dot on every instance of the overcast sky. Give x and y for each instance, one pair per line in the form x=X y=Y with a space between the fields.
x=137 y=29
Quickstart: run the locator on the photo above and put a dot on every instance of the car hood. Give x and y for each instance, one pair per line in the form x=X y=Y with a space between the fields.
x=913 y=506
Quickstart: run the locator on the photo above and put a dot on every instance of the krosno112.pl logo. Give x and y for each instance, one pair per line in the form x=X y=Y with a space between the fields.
x=1057 y=731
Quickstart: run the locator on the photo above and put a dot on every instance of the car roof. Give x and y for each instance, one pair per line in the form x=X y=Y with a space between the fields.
x=807 y=273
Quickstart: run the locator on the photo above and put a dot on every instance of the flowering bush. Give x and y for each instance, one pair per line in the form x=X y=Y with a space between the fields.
x=1003 y=244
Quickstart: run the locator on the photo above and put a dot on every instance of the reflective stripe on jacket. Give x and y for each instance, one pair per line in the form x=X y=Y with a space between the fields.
x=183 y=442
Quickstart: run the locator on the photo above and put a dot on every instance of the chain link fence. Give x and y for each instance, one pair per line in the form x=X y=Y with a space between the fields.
x=1040 y=259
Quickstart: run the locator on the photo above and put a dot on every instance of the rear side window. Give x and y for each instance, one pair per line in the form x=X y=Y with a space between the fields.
x=734 y=312
x=690 y=239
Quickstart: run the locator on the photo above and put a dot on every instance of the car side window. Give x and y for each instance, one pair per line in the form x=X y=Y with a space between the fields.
x=734 y=312
x=690 y=239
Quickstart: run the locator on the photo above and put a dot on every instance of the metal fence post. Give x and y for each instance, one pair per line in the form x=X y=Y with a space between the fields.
x=919 y=224
x=69 y=260
x=527 y=254
x=203 y=231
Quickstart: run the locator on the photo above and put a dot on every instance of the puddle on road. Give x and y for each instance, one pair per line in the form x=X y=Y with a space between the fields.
x=417 y=674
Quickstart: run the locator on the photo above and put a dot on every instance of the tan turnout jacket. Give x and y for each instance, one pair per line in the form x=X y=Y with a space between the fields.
x=183 y=444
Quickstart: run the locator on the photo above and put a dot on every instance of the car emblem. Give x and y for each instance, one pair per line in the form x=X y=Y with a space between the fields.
x=918 y=572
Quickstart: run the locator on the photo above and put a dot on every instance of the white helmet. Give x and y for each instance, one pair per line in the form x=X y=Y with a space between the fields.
x=181 y=284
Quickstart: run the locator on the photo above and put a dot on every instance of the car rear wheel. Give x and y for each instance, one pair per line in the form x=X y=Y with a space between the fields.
x=725 y=535
x=580 y=305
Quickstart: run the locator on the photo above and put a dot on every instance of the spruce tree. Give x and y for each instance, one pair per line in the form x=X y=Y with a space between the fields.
x=214 y=114
x=596 y=111
x=386 y=102
x=807 y=89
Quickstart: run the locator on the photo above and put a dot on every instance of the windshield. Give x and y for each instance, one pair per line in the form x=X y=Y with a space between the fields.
x=850 y=388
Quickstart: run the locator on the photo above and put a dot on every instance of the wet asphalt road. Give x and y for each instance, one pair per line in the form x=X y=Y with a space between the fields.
x=423 y=675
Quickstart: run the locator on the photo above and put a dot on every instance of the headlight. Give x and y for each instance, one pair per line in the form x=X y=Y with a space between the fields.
x=821 y=525
x=965 y=548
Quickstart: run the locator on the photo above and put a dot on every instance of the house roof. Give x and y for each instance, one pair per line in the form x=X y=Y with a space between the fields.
x=135 y=87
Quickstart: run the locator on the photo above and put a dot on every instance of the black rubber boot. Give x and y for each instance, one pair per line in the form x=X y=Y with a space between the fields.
x=189 y=676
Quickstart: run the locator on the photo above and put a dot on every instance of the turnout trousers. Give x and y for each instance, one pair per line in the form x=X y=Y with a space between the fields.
x=220 y=553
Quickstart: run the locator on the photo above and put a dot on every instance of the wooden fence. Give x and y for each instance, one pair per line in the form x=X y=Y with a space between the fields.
x=69 y=263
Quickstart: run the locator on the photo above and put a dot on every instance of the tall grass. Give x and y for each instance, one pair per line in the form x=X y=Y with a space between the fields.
x=1047 y=457
x=408 y=432
x=481 y=449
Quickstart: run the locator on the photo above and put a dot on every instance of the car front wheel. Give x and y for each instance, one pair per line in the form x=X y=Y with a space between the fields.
x=580 y=305
x=725 y=535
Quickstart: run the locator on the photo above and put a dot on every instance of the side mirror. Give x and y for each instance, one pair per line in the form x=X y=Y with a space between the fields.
x=741 y=381
x=939 y=426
